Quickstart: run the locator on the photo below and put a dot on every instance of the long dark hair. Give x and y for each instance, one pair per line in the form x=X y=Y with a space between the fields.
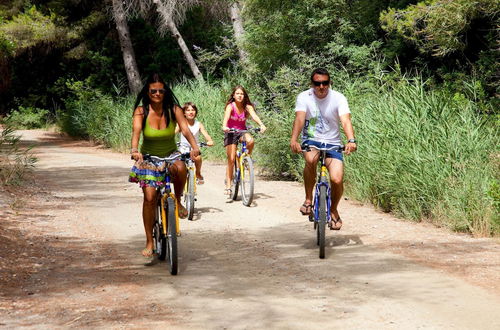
x=169 y=99
x=246 y=98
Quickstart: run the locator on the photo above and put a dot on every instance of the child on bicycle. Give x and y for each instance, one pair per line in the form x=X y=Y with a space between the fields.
x=238 y=109
x=190 y=112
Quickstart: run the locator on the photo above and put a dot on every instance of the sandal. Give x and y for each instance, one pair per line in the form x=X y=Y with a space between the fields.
x=336 y=224
x=147 y=253
x=228 y=191
x=200 y=181
x=183 y=213
x=305 y=209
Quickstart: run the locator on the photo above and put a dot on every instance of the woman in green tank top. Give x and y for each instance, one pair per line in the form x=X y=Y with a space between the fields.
x=156 y=120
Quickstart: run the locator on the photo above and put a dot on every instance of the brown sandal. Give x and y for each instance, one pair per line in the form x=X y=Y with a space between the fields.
x=334 y=223
x=305 y=209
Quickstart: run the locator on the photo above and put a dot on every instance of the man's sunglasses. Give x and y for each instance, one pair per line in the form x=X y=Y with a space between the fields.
x=319 y=83
x=154 y=91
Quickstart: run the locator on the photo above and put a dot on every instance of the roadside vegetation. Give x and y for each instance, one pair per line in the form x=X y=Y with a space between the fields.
x=16 y=161
x=421 y=80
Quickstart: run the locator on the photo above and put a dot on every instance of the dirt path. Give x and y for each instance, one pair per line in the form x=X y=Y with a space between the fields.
x=70 y=257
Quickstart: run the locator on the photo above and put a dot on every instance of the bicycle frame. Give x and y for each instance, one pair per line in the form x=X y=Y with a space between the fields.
x=166 y=192
x=323 y=180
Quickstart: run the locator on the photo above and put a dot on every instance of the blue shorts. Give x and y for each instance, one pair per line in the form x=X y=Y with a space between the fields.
x=329 y=154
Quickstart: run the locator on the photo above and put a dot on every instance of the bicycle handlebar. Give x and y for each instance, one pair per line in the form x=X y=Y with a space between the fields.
x=235 y=130
x=307 y=147
x=169 y=159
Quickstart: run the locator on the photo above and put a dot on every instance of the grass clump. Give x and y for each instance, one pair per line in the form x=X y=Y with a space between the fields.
x=15 y=161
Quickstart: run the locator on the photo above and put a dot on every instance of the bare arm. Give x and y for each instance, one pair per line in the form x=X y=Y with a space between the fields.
x=255 y=118
x=183 y=126
x=207 y=137
x=227 y=114
x=136 y=133
x=349 y=132
x=298 y=124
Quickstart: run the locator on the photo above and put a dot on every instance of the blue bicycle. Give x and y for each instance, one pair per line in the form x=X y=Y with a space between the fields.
x=322 y=198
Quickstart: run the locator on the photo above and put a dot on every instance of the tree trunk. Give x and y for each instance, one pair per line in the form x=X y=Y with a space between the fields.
x=133 y=76
x=169 y=23
x=239 y=31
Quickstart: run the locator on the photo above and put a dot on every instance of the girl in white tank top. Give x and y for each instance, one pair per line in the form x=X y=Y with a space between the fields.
x=190 y=112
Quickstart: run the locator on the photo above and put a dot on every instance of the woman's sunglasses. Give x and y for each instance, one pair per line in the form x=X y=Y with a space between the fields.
x=319 y=83
x=154 y=91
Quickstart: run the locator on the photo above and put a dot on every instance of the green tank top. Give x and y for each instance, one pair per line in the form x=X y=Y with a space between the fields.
x=158 y=142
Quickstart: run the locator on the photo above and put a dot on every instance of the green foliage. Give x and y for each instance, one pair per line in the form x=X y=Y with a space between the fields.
x=327 y=28
x=15 y=161
x=424 y=154
x=99 y=117
x=27 y=118
x=439 y=26
x=28 y=29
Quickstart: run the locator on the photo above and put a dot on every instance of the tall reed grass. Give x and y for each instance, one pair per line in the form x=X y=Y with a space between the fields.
x=425 y=154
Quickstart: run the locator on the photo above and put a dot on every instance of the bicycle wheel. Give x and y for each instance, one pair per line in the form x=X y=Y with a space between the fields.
x=236 y=181
x=322 y=221
x=171 y=237
x=247 y=181
x=159 y=239
x=189 y=193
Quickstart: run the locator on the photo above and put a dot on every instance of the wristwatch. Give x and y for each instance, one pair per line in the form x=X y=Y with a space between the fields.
x=351 y=141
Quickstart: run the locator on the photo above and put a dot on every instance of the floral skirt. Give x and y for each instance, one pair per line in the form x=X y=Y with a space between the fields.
x=148 y=173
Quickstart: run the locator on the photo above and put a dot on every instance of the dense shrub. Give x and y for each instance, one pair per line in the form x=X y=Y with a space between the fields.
x=28 y=117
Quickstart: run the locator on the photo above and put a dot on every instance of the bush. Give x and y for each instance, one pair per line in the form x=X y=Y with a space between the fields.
x=27 y=118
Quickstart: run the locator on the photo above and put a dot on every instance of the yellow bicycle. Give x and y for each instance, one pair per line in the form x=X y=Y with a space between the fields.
x=166 y=225
x=243 y=171
x=190 y=187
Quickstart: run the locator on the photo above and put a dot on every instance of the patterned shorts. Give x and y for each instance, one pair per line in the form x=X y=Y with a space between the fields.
x=148 y=173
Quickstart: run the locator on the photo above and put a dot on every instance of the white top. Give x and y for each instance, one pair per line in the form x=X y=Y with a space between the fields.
x=322 y=115
x=184 y=145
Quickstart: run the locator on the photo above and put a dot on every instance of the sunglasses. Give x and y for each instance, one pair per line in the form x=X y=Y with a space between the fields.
x=154 y=91
x=319 y=83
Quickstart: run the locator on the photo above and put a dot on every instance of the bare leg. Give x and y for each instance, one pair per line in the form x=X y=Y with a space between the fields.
x=250 y=142
x=197 y=163
x=231 y=156
x=179 y=174
x=336 y=170
x=148 y=216
x=311 y=158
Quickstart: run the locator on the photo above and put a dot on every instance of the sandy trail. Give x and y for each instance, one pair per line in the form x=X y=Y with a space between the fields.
x=71 y=258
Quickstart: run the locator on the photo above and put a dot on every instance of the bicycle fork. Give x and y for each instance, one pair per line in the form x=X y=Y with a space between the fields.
x=323 y=181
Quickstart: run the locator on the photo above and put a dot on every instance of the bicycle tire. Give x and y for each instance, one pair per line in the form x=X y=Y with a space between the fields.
x=189 y=198
x=322 y=221
x=159 y=239
x=171 y=237
x=247 y=182
x=236 y=181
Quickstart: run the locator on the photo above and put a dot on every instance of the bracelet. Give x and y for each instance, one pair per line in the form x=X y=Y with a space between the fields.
x=133 y=150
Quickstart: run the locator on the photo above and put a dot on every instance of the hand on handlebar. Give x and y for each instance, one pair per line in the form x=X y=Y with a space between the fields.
x=194 y=153
x=137 y=156
x=296 y=147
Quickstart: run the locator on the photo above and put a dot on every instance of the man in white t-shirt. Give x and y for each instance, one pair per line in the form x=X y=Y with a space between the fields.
x=318 y=113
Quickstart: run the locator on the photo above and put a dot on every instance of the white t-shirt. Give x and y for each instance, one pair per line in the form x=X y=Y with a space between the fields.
x=184 y=145
x=322 y=115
